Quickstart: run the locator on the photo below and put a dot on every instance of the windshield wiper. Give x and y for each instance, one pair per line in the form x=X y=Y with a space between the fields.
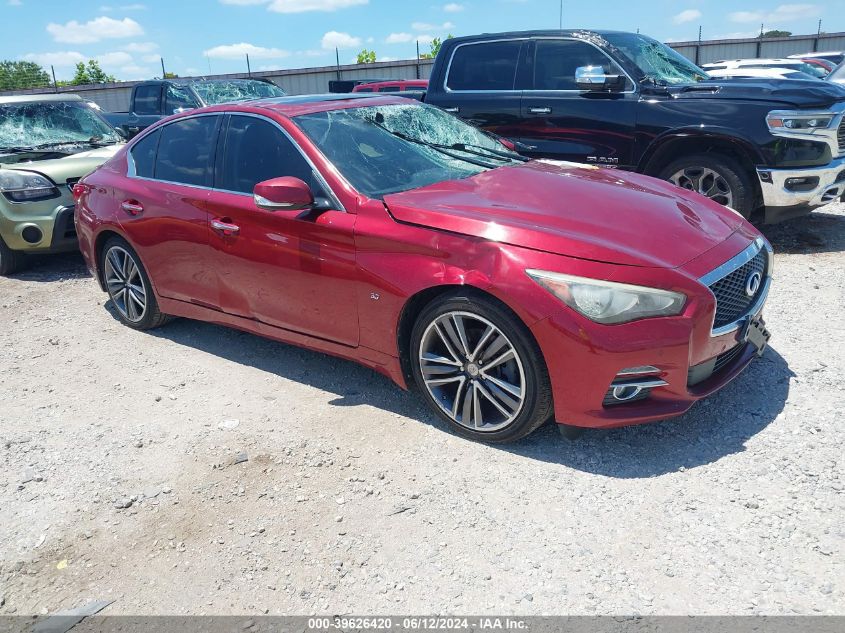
x=443 y=149
x=469 y=147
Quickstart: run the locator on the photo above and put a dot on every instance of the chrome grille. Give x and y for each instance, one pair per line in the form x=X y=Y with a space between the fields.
x=841 y=135
x=732 y=302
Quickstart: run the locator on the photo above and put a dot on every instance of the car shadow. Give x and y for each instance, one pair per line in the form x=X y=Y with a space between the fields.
x=818 y=232
x=714 y=428
x=52 y=268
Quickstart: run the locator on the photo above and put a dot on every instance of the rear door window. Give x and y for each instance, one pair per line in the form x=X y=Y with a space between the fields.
x=486 y=66
x=186 y=151
x=555 y=63
x=143 y=154
x=255 y=151
x=148 y=99
x=389 y=89
x=178 y=97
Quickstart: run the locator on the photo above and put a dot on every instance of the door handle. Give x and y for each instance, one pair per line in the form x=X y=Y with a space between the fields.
x=132 y=207
x=133 y=128
x=540 y=110
x=226 y=228
x=454 y=110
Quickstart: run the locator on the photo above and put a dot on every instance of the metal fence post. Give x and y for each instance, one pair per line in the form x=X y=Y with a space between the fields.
x=55 y=83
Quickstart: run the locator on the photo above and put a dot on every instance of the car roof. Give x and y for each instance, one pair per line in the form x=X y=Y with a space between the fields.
x=541 y=33
x=38 y=98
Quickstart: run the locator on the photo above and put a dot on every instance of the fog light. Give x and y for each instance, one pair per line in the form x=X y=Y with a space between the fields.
x=623 y=393
x=632 y=384
x=32 y=234
x=807 y=183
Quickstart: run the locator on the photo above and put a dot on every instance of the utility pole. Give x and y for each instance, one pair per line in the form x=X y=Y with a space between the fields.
x=163 y=71
x=418 y=59
x=55 y=83
x=698 y=47
x=560 y=21
x=337 y=62
x=248 y=69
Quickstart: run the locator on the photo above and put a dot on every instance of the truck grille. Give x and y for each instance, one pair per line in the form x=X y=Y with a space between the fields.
x=732 y=302
x=841 y=135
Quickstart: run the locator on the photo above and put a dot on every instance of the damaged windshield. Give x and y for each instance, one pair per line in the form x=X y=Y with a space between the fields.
x=50 y=123
x=215 y=92
x=660 y=63
x=392 y=148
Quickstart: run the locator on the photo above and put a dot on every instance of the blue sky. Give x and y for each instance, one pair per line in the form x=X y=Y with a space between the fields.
x=202 y=36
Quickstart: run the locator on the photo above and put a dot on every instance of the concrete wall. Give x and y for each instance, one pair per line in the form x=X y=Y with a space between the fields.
x=115 y=97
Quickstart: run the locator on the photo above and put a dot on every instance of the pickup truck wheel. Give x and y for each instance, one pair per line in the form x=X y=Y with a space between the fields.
x=10 y=261
x=479 y=369
x=716 y=176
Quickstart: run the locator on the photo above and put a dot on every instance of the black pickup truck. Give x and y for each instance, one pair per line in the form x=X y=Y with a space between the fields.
x=154 y=100
x=627 y=101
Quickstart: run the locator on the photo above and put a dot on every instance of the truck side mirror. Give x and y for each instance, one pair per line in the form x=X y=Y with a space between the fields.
x=594 y=78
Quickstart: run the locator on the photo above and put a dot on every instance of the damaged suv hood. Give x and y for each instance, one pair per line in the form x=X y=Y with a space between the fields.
x=573 y=210
x=67 y=167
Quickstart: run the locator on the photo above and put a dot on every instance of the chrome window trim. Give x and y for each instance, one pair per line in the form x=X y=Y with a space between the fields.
x=736 y=262
x=529 y=90
x=131 y=172
x=446 y=88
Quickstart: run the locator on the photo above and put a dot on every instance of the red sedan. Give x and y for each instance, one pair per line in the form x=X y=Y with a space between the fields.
x=390 y=232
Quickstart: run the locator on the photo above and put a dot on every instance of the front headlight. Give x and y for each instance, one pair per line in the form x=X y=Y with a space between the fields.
x=26 y=186
x=608 y=302
x=785 y=121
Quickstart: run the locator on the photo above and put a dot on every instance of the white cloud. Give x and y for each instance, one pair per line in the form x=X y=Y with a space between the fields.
x=398 y=38
x=94 y=30
x=425 y=39
x=243 y=3
x=15 y=3
x=238 y=51
x=140 y=47
x=133 y=72
x=424 y=26
x=453 y=7
x=687 y=16
x=151 y=58
x=303 y=6
x=116 y=58
x=737 y=35
x=60 y=59
x=386 y=58
x=334 y=39
x=781 y=14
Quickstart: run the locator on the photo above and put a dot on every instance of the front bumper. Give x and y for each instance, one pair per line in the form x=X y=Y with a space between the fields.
x=684 y=358
x=791 y=191
x=39 y=227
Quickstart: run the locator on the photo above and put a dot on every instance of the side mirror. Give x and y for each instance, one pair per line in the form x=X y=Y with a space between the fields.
x=181 y=110
x=594 y=78
x=283 y=194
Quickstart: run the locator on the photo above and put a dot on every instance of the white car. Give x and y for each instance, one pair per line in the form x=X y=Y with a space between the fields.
x=837 y=57
x=792 y=64
x=759 y=73
x=838 y=75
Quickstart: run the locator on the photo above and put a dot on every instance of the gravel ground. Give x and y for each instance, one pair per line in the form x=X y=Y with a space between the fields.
x=198 y=469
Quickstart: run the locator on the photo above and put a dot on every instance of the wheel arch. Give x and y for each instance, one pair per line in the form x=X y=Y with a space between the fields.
x=664 y=149
x=99 y=244
x=417 y=302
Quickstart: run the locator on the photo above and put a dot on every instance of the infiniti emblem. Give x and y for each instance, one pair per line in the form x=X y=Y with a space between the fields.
x=752 y=284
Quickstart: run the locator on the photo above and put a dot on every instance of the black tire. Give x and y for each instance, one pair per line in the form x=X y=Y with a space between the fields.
x=729 y=170
x=478 y=312
x=10 y=261
x=127 y=307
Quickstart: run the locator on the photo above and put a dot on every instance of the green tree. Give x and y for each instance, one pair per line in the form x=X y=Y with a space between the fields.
x=776 y=33
x=169 y=75
x=90 y=74
x=366 y=57
x=20 y=75
x=435 y=45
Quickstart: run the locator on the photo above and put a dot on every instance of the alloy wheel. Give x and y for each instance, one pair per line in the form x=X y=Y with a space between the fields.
x=705 y=181
x=125 y=284
x=472 y=371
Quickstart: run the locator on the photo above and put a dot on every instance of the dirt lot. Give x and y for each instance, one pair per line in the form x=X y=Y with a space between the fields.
x=120 y=479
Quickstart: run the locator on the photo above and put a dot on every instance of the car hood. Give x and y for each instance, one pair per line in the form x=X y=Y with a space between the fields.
x=574 y=210
x=794 y=93
x=60 y=170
